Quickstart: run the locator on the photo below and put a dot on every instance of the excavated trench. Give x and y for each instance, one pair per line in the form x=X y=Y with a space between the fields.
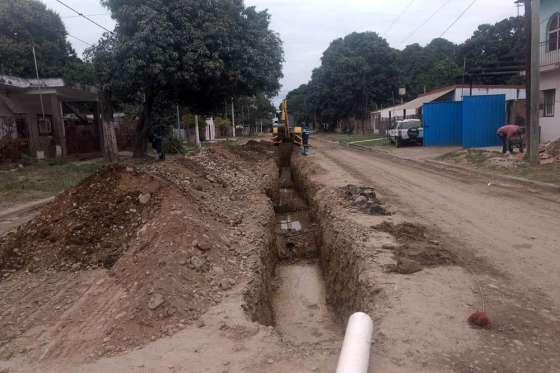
x=299 y=295
x=312 y=276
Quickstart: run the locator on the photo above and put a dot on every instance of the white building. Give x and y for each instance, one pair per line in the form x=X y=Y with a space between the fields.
x=381 y=119
x=550 y=70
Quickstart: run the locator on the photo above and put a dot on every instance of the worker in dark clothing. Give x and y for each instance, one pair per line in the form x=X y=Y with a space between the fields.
x=305 y=139
x=511 y=135
x=156 y=138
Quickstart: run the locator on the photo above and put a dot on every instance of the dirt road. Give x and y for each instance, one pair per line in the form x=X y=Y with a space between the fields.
x=514 y=229
x=506 y=234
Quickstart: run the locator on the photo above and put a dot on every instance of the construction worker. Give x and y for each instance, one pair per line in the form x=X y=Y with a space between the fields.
x=305 y=139
x=510 y=135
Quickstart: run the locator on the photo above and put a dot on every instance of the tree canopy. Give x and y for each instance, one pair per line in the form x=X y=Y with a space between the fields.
x=361 y=72
x=28 y=23
x=193 y=52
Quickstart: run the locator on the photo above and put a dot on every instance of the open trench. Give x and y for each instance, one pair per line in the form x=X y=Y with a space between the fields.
x=311 y=276
x=299 y=302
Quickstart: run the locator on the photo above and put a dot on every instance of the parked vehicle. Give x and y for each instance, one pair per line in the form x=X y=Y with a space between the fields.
x=408 y=131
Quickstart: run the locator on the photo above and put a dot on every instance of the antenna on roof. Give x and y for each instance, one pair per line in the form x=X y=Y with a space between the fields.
x=38 y=81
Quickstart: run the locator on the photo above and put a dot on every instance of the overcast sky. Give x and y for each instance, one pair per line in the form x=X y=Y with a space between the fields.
x=308 y=26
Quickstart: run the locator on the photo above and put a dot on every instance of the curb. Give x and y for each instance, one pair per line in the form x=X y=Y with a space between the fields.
x=25 y=208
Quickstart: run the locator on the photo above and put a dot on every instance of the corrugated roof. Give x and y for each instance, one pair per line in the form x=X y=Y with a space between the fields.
x=418 y=102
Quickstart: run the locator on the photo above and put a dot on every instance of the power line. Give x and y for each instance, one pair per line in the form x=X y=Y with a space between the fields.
x=87 y=15
x=85 y=42
x=399 y=17
x=84 y=16
x=458 y=18
x=426 y=21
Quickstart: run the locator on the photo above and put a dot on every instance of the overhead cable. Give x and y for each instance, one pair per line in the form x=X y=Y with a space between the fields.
x=84 y=16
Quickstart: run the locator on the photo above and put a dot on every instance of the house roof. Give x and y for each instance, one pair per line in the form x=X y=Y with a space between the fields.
x=70 y=92
x=440 y=92
x=418 y=102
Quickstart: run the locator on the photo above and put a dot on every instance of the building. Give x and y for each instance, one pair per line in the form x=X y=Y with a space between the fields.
x=382 y=119
x=49 y=117
x=550 y=70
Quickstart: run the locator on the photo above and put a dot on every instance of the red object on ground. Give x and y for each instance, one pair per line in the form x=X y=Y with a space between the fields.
x=509 y=130
x=481 y=320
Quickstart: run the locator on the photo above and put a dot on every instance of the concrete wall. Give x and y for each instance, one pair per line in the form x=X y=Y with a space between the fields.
x=550 y=127
x=511 y=93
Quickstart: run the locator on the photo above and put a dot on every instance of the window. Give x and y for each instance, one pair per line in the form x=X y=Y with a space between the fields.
x=549 y=98
x=45 y=125
x=554 y=33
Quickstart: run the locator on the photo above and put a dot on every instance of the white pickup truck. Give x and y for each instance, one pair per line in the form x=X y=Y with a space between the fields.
x=408 y=131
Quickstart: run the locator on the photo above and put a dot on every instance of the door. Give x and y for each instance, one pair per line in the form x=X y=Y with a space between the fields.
x=482 y=116
x=443 y=123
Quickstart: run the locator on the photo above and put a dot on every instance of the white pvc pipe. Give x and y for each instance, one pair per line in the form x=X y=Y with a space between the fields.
x=354 y=357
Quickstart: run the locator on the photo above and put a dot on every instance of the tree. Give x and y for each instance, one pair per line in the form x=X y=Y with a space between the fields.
x=495 y=48
x=425 y=68
x=28 y=23
x=193 y=52
x=356 y=73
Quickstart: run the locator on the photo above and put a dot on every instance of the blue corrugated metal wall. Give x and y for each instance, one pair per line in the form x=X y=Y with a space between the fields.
x=482 y=116
x=443 y=123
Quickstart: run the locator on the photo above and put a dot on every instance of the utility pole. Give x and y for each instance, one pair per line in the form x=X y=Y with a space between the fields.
x=233 y=117
x=38 y=81
x=532 y=13
x=196 y=132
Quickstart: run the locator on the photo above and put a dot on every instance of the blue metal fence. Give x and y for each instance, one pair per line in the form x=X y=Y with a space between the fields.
x=443 y=123
x=482 y=116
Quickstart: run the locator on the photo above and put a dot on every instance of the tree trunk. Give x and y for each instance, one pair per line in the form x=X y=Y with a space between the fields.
x=110 y=148
x=143 y=128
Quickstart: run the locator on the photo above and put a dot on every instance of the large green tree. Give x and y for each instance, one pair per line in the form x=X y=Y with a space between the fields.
x=193 y=52
x=28 y=23
x=425 y=68
x=355 y=75
x=495 y=49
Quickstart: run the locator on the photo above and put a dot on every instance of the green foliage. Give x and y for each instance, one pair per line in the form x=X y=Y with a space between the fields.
x=495 y=46
x=197 y=53
x=173 y=145
x=221 y=122
x=357 y=73
x=361 y=73
x=428 y=68
x=28 y=23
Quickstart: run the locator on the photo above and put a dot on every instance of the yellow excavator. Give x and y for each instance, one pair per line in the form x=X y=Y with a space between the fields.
x=284 y=133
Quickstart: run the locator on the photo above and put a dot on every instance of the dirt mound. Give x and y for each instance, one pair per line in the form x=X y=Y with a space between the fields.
x=415 y=251
x=550 y=152
x=87 y=226
x=150 y=248
x=362 y=199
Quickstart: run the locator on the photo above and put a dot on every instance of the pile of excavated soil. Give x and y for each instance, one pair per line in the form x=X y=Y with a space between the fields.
x=415 y=251
x=550 y=152
x=135 y=254
x=86 y=226
x=362 y=199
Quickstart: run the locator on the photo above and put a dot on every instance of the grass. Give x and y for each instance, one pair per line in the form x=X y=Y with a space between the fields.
x=549 y=173
x=346 y=139
x=42 y=180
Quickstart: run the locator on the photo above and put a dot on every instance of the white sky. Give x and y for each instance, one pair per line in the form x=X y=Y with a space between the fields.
x=308 y=26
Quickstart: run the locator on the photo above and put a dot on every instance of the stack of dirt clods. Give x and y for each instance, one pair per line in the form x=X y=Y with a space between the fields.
x=362 y=199
x=550 y=152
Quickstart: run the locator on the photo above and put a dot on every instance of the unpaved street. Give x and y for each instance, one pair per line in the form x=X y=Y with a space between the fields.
x=507 y=239
x=515 y=229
